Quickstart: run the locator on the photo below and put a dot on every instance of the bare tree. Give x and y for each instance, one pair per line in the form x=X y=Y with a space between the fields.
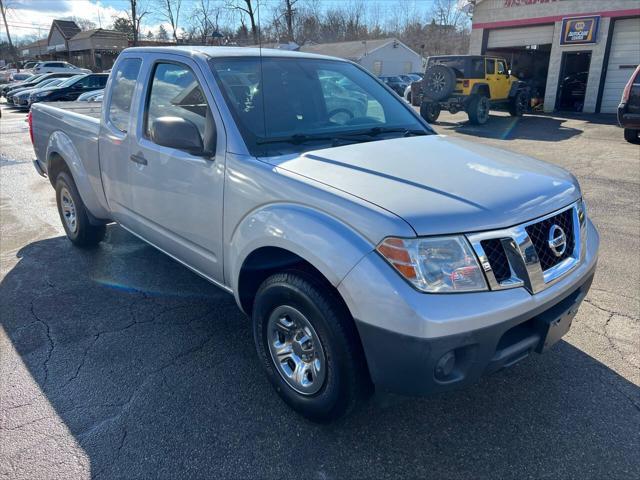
x=84 y=23
x=205 y=19
x=250 y=9
x=170 y=11
x=289 y=12
x=12 y=48
x=136 y=14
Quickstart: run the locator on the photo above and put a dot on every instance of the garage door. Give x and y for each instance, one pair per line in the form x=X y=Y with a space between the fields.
x=623 y=59
x=520 y=37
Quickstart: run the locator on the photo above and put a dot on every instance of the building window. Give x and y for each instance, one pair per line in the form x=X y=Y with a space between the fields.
x=377 y=67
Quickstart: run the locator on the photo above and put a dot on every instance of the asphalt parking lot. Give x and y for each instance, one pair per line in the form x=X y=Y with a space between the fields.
x=120 y=363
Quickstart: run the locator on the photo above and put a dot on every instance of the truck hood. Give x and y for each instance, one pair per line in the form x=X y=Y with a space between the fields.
x=438 y=184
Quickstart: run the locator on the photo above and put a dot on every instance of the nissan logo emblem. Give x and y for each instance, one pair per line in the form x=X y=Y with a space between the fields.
x=557 y=240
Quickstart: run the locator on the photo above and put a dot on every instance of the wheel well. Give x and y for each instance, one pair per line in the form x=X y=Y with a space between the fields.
x=481 y=89
x=56 y=165
x=261 y=264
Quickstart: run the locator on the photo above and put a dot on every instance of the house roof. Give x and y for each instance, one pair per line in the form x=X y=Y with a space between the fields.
x=350 y=50
x=68 y=28
x=96 y=31
x=38 y=43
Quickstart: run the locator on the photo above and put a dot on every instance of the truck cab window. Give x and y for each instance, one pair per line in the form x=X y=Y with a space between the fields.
x=502 y=68
x=175 y=92
x=491 y=66
x=122 y=88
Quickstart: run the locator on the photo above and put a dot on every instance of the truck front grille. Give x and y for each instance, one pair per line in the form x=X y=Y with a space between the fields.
x=539 y=234
x=497 y=258
x=535 y=254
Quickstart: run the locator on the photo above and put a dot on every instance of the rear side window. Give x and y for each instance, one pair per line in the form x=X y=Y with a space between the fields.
x=175 y=92
x=122 y=88
x=93 y=81
x=491 y=66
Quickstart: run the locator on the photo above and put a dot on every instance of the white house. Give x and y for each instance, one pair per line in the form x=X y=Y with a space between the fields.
x=387 y=56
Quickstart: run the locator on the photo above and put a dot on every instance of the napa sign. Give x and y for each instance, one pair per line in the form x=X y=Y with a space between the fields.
x=579 y=30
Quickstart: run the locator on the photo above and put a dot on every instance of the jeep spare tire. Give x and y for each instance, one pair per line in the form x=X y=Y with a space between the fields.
x=439 y=82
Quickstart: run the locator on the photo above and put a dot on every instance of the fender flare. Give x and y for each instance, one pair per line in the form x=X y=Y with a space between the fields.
x=517 y=87
x=481 y=87
x=61 y=145
x=331 y=246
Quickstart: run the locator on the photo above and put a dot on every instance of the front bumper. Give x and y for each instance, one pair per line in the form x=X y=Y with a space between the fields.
x=405 y=333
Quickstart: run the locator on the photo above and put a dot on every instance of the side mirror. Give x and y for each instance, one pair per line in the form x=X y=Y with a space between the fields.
x=179 y=133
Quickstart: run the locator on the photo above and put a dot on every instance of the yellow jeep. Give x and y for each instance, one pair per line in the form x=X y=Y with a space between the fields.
x=473 y=83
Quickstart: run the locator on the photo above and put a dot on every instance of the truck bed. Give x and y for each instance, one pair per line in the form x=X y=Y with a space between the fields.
x=89 y=109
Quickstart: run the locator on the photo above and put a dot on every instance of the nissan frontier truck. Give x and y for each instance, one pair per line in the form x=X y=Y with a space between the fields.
x=368 y=251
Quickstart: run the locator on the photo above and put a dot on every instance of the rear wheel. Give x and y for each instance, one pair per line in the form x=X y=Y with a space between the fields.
x=632 y=135
x=309 y=347
x=73 y=214
x=518 y=105
x=430 y=111
x=478 y=109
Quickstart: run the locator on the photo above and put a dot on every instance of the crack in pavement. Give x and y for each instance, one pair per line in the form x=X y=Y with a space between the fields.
x=48 y=333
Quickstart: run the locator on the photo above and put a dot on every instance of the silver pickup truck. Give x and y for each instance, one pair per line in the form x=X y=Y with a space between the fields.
x=368 y=251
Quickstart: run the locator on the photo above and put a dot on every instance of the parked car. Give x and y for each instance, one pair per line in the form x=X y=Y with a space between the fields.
x=19 y=89
x=51 y=67
x=20 y=76
x=629 y=108
x=71 y=89
x=409 y=78
x=367 y=253
x=33 y=81
x=21 y=97
x=91 y=96
x=395 y=83
x=474 y=84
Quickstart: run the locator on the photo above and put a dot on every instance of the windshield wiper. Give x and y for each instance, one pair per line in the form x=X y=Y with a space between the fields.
x=375 y=131
x=364 y=136
x=300 y=138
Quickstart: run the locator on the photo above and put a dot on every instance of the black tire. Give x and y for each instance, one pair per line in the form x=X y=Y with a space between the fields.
x=430 y=111
x=439 y=82
x=84 y=234
x=346 y=383
x=478 y=109
x=518 y=104
x=632 y=135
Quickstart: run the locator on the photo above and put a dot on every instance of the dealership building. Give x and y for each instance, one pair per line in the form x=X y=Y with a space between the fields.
x=576 y=55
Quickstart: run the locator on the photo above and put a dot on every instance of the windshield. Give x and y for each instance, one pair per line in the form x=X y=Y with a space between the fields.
x=71 y=80
x=284 y=105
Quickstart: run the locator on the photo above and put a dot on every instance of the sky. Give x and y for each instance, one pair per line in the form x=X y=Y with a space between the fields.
x=32 y=18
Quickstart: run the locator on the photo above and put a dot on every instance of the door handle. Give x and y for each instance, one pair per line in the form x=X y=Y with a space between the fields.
x=140 y=160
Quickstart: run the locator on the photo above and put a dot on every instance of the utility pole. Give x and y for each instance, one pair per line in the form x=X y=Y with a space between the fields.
x=6 y=27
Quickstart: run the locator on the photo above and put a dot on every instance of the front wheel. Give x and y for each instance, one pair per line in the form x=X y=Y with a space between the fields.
x=309 y=346
x=430 y=111
x=73 y=214
x=478 y=110
x=632 y=135
x=518 y=105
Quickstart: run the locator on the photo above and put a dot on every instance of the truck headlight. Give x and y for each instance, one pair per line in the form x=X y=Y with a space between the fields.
x=436 y=264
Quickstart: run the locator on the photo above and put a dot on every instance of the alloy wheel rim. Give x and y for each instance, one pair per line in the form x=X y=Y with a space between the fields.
x=483 y=109
x=68 y=210
x=296 y=350
x=437 y=82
